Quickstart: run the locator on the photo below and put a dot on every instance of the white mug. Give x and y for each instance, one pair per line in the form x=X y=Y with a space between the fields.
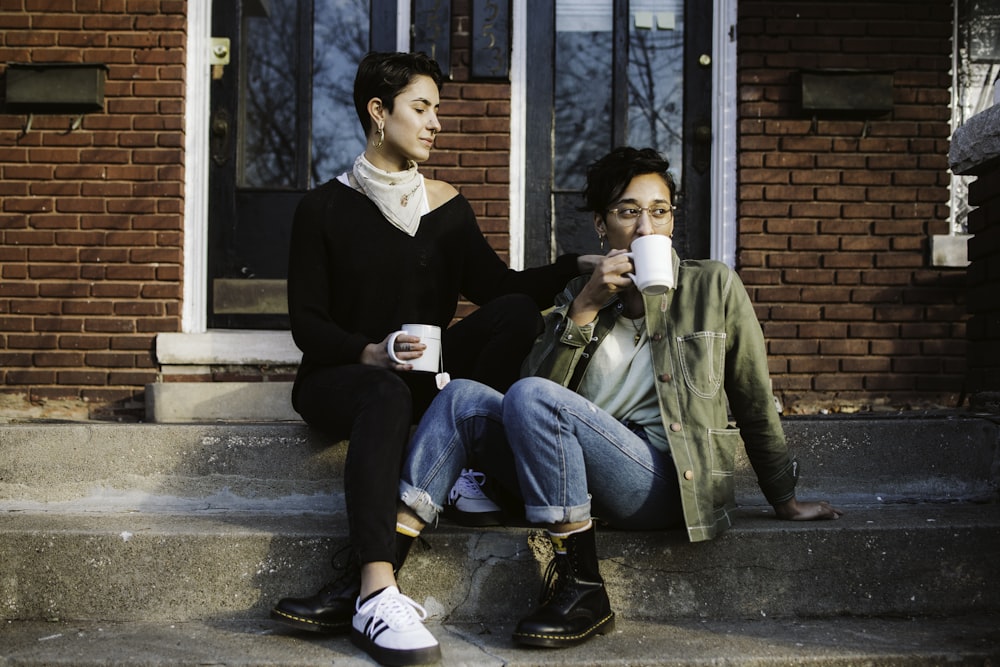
x=653 y=261
x=430 y=335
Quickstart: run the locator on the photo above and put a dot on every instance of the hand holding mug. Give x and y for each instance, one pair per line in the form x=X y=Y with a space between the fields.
x=402 y=349
x=417 y=346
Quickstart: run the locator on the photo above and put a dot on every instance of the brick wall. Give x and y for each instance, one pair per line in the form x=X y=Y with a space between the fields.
x=91 y=218
x=836 y=211
x=473 y=150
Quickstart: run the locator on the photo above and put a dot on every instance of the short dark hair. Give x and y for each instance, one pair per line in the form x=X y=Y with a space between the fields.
x=384 y=75
x=608 y=177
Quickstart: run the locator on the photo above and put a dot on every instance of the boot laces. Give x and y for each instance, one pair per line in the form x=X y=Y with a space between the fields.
x=555 y=579
x=346 y=568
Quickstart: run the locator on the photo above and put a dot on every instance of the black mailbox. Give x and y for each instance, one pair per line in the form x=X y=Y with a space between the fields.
x=846 y=90
x=55 y=87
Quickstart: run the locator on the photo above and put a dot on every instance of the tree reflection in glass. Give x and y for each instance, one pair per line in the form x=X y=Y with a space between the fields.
x=583 y=97
x=656 y=79
x=272 y=110
x=340 y=41
x=270 y=104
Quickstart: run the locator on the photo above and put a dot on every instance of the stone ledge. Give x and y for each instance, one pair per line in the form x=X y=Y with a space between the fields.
x=229 y=347
x=177 y=402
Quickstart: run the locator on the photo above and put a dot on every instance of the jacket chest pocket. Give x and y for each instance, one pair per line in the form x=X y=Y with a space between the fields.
x=702 y=358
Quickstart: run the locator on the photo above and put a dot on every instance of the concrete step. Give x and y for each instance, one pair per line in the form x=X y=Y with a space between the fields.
x=288 y=466
x=188 y=533
x=967 y=641
x=891 y=560
x=98 y=466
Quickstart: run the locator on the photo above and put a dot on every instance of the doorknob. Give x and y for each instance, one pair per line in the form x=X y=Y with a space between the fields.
x=220 y=134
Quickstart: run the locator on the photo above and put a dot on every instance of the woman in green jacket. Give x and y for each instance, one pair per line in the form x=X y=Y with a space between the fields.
x=626 y=413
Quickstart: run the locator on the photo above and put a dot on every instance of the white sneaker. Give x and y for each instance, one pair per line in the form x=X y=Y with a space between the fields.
x=389 y=627
x=468 y=505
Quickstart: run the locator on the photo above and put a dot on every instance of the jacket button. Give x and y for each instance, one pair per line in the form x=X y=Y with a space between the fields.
x=657 y=336
x=666 y=377
x=675 y=427
x=689 y=474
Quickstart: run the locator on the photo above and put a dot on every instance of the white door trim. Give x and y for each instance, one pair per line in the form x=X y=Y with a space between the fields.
x=723 y=177
x=194 y=308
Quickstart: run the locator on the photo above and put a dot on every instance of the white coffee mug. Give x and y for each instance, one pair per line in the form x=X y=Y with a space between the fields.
x=430 y=335
x=653 y=261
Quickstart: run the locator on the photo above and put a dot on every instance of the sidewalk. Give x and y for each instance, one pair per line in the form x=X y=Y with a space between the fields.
x=956 y=642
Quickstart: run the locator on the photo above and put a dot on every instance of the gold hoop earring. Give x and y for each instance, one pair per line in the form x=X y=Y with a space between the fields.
x=381 y=137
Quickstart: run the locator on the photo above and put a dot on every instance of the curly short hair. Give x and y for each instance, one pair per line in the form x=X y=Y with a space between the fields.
x=608 y=177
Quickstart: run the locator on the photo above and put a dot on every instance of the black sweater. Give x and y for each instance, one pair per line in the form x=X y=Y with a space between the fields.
x=353 y=277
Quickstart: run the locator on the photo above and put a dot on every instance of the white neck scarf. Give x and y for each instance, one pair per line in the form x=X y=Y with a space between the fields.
x=399 y=195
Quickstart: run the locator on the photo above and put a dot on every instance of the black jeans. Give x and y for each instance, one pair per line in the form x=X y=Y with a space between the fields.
x=375 y=408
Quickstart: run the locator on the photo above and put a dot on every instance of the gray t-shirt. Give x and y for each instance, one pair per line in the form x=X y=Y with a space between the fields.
x=619 y=379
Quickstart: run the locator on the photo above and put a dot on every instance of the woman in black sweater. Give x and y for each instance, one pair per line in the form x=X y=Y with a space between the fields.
x=378 y=247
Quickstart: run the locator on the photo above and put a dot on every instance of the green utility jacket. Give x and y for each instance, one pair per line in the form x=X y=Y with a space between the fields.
x=707 y=347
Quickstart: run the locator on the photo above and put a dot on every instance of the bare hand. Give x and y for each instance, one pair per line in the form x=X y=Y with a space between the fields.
x=608 y=277
x=406 y=347
x=795 y=510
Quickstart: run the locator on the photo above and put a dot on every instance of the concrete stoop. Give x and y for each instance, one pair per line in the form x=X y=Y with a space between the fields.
x=889 y=561
x=167 y=544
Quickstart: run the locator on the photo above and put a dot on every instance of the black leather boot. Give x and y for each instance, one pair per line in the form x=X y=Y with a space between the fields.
x=329 y=610
x=575 y=604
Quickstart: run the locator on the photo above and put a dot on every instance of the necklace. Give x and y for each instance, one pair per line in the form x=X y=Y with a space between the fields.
x=405 y=199
x=639 y=327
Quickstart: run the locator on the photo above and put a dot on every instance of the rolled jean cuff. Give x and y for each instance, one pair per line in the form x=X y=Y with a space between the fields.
x=420 y=502
x=557 y=515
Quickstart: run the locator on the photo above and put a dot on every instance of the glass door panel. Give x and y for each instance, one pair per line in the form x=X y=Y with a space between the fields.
x=618 y=79
x=340 y=41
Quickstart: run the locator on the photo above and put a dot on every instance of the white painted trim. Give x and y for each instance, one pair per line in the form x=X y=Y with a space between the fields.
x=518 y=120
x=194 y=316
x=403 y=25
x=723 y=178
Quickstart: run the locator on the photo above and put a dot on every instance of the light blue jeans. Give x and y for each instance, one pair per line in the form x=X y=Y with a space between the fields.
x=568 y=458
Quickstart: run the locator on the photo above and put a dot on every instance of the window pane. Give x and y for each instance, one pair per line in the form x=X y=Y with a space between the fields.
x=270 y=104
x=656 y=77
x=582 y=88
x=340 y=40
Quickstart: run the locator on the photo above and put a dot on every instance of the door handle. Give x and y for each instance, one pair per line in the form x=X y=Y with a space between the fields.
x=220 y=131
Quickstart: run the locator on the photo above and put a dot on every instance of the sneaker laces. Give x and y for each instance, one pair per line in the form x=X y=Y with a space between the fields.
x=397 y=610
x=468 y=484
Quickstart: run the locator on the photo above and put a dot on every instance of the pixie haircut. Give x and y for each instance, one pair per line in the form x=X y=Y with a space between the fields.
x=384 y=75
x=608 y=177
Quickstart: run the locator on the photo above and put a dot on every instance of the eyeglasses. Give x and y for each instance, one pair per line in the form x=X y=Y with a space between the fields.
x=659 y=214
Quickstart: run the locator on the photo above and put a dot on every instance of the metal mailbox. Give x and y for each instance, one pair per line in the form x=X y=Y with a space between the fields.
x=55 y=87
